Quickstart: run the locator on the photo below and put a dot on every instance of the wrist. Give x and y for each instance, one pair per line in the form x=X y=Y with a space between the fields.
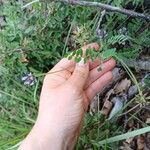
x=40 y=139
x=47 y=138
x=48 y=133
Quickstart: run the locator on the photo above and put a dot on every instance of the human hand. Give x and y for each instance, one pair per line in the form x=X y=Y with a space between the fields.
x=66 y=94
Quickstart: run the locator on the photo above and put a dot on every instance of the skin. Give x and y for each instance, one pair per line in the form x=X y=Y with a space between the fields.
x=64 y=99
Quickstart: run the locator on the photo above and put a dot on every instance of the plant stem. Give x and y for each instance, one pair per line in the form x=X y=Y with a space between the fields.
x=131 y=76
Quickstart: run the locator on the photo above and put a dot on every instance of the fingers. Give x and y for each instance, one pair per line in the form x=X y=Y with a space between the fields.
x=94 y=63
x=98 y=85
x=64 y=68
x=68 y=65
x=81 y=71
x=59 y=73
x=80 y=75
x=64 y=64
x=95 y=74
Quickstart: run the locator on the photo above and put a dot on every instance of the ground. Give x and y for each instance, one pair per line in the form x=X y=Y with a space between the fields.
x=33 y=39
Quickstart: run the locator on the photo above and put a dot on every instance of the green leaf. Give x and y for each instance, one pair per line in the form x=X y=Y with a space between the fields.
x=70 y=57
x=73 y=53
x=66 y=55
x=124 y=136
x=85 y=60
x=29 y=29
x=79 y=52
x=117 y=39
x=108 y=53
x=77 y=59
x=87 y=52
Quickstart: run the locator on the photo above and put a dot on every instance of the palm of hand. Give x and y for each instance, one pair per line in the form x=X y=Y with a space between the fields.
x=68 y=96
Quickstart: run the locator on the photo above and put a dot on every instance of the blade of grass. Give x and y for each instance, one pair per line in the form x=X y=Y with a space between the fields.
x=15 y=146
x=132 y=77
x=124 y=136
x=69 y=32
x=19 y=99
x=35 y=92
x=28 y=4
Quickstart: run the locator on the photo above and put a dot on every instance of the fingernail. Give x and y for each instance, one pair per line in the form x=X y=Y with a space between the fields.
x=81 y=63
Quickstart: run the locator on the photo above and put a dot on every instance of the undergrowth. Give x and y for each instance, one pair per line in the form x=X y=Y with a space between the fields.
x=34 y=38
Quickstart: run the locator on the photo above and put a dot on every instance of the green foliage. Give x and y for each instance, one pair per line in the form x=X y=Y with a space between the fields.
x=109 y=53
x=120 y=39
x=147 y=81
x=77 y=55
x=138 y=2
x=33 y=39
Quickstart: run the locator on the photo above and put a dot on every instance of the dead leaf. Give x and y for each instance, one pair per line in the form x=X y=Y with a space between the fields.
x=109 y=93
x=118 y=102
x=122 y=86
x=106 y=108
x=140 y=142
x=94 y=105
x=23 y=58
x=116 y=72
x=126 y=146
x=131 y=123
x=148 y=120
x=129 y=140
x=148 y=140
x=132 y=91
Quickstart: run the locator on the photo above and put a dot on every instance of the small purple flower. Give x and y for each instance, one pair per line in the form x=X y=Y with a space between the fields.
x=102 y=34
x=29 y=79
x=123 y=31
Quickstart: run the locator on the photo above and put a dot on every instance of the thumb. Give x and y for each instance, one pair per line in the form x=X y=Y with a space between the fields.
x=80 y=74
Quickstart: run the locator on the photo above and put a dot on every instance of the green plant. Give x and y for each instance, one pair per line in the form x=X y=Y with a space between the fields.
x=37 y=36
x=124 y=136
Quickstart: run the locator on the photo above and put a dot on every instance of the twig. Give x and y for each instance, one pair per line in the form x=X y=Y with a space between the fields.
x=100 y=19
x=44 y=74
x=103 y=13
x=112 y=83
x=103 y=6
x=100 y=33
x=130 y=110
